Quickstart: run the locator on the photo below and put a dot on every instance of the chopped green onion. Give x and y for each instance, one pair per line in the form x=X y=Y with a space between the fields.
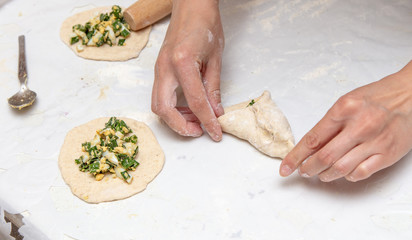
x=108 y=41
x=74 y=40
x=117 y=25
x=79 y=27
x=100 y=42
x=132 y=139
x=104 y=17
x=90 y=34
x=88 y=26
x=121 y=42
x=125 y=175
x=136 y=150
x=125 y=33
x=94 y=167
x=116 y=8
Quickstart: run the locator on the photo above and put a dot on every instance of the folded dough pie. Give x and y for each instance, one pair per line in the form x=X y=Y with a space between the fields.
x=261 y=123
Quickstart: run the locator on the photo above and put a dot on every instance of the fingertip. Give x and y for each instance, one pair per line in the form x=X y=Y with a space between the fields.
x=192 y=129
x=216 y=135
x=285 y=170
x=350 y=178
x=219 y=111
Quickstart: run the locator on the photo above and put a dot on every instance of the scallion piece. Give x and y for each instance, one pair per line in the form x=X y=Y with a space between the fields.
x=74 y=40
x=121 y=42
x=125 y=32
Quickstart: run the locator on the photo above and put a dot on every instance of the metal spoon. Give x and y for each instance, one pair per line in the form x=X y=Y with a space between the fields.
x=25 y=97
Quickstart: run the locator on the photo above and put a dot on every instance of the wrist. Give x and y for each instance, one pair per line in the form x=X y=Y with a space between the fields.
x=402 y=90
x=199 y=6
x=405 y=74
x=216 y=2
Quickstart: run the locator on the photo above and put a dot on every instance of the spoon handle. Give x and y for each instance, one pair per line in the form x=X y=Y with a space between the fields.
x=22 y=61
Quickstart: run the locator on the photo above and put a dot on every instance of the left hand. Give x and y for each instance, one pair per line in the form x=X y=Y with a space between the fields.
x=366 y=130
x=191 y=57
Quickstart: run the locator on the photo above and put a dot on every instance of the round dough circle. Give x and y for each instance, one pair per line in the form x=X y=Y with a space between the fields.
x=134 y=43
x=83 y=184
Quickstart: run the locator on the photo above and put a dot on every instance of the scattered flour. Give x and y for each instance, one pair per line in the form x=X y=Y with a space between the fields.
x=320 y=71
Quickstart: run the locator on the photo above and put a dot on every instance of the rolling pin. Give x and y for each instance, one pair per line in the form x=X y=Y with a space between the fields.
x=146 y=12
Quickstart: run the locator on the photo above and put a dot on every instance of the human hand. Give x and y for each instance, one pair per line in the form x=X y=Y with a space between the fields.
x=191 y=57
x=366 y=130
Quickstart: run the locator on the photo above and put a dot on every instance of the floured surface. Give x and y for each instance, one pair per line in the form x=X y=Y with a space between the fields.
x=206 y=190
x=83 y=185
x=262 y=124
x=133 y=45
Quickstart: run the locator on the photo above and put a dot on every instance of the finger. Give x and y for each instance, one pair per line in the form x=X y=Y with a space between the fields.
x=188 y=114
x=325 y=157
x=189 y=76
x=316 y=138
x=346 y=164
x=367 y=168
x=211 y=81
x=178 y=123
x=164 y=103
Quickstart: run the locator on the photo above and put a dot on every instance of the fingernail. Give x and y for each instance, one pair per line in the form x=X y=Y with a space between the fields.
x=285 y=170
x=220 y=111
x=216 y=137
x=350 y=178
x=302 y=174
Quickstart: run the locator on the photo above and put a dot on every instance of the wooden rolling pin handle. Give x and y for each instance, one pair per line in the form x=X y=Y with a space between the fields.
x=146 y=12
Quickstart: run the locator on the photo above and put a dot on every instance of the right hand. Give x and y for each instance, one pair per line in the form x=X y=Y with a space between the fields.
x=368 y=129
x=191 y=57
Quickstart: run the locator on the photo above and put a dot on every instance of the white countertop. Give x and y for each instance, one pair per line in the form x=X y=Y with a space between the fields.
x=306 y=53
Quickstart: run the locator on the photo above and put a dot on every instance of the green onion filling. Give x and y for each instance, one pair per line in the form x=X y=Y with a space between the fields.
x=74 y=40
x=113 y=149
x=251 y=103
x=104 y=28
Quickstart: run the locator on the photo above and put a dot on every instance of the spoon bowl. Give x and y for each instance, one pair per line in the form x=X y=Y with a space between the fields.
x=25 y=97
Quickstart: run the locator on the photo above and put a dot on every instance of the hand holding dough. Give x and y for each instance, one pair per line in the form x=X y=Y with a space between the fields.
x=262 y=124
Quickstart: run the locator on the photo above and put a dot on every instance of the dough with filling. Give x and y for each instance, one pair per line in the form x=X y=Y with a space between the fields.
x=84 y=185
x=262 y=124
x=133 y=45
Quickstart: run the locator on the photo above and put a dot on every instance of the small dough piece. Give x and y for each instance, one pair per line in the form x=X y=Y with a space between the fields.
x=262 y=124
x=133 y=45
x=84 y=185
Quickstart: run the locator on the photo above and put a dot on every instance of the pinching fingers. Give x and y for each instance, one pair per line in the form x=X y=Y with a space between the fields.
x=188 y=73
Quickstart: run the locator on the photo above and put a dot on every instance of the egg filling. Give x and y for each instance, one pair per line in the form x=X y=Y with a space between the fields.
x=112 y=150
x=104 y=28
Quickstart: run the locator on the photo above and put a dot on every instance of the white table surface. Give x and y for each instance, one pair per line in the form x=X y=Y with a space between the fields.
x=306 y=53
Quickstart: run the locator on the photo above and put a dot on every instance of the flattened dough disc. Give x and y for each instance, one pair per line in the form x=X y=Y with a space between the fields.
x=133 y=45
x=262 y=124
x=84 y=186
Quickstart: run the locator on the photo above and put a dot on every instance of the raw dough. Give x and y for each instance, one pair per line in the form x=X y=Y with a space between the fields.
x=133 y=45
x=262 y=124
x=84 y=185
